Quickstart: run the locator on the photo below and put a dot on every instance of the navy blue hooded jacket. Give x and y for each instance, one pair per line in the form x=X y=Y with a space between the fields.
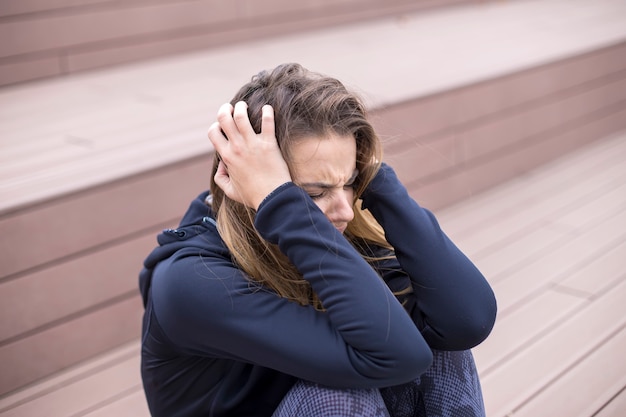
x=217 y=344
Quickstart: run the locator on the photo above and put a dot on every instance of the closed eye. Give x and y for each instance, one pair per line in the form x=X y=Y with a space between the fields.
x=326 y=187
x=352 y=181
x=317 y=196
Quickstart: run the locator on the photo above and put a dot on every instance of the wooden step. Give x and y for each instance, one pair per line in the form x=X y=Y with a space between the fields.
x=61 y=37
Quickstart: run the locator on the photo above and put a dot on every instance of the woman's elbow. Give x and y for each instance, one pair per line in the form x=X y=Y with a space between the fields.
x=398 y=366
x=412 y=358
x=476 y=333
x=477 y=327
x=411 y=366
x=465 y=331
x=476 y=323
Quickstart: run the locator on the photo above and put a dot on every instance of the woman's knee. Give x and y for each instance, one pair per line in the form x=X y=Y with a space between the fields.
x=314 y=400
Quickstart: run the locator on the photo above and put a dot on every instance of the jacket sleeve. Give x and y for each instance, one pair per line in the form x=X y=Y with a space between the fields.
x=452 y=303
x=363 y=339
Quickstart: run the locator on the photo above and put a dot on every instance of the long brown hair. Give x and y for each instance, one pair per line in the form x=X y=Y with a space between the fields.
x=305 y=104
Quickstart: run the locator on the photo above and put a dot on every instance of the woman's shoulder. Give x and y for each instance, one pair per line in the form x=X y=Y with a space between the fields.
x=196 y=280
x=185 y=259
x=191 y=252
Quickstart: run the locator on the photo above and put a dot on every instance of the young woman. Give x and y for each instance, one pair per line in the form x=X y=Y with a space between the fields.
x=308 y=282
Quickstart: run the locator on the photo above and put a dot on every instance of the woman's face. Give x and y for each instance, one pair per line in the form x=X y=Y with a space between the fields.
x=325 y=167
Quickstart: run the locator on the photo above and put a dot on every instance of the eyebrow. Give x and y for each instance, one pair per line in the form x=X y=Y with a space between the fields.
x=324 y=185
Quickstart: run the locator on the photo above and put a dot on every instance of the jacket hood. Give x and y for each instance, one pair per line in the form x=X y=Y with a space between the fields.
x=172 y=240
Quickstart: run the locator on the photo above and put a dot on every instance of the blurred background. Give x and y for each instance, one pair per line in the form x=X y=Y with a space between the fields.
x=504 y=117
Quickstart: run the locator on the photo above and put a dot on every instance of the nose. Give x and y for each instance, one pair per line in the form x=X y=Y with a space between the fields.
x=341 y=212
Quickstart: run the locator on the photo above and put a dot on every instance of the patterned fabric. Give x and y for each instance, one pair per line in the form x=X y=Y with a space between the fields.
x=307 y=399
x=449 y=388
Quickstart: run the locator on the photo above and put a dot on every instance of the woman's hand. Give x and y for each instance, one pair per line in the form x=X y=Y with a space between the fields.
x=251 y=164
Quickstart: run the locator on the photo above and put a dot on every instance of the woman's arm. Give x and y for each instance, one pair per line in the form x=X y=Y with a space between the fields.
x=454 y=305
x=208 y=307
